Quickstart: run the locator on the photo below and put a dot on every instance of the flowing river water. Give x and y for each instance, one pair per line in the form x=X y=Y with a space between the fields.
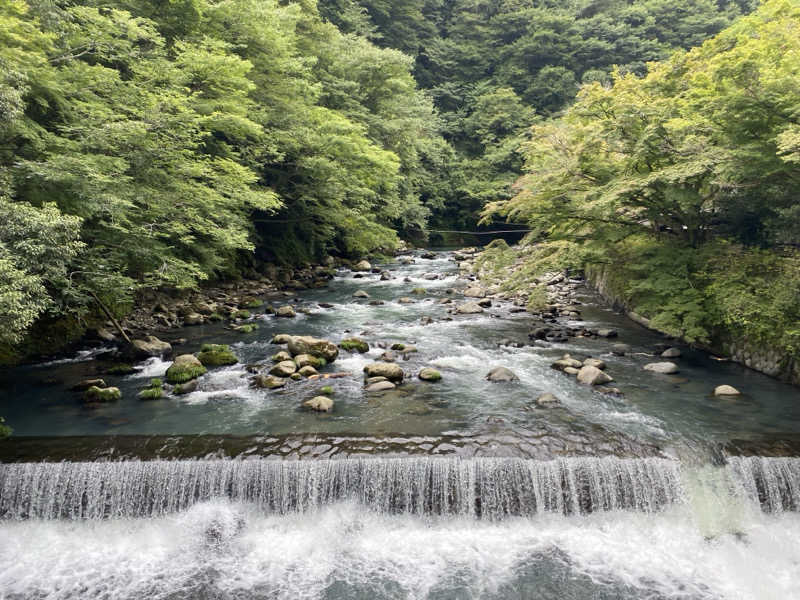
x=458 y=489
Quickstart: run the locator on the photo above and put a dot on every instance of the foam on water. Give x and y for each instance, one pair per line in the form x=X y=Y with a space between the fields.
x=220 y=549
x=152 y=367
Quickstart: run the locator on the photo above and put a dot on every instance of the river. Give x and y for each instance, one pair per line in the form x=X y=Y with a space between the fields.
x=462 y=488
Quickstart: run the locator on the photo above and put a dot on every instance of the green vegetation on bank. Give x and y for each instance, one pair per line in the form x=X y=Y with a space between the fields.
x=679 y=189
x=158 y=143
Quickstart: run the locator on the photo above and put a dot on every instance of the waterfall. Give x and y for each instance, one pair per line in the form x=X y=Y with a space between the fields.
x=489 y=488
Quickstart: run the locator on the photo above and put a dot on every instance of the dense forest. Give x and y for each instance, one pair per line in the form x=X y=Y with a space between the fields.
x=162 y=143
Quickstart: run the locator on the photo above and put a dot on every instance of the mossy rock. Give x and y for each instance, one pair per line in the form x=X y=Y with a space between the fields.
x=252 y=303
x=281 y=356
x=216 y=355
x=215 y=317
x=354 y=345
x=5 y=430
x=326 y=390
x=295 y=376
x=428 y=374
x=97 y=394
x=154 y=392
x=121 y=369
x=398 y=347
x=185 y=368
x=249 y=328
x=241 y=314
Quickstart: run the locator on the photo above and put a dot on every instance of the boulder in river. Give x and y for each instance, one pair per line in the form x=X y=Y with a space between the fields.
x=185 y=368
x=286 y=312
x=571 y=371
x=360 y=294
x=185 y=388
x=565 y=362
x=501 y=374
x=268 y=382
x=216 y=355
x=150 y=346
x=607 y=333
x=307 y=371
x=590 y=375
x=285 y=368
x=98 y=394
x=305 y=344
x=87 y=383
x=319 y=404
x=405 y=300
x=726 y=390
x=362 y=265
x=620 y=349
x=671 y=353
x=391 y=371
x=354 y=344
x=193 y=318
x=281 y=338
x=380 y=386
x=546 y=400
x=307 y=360
x=665 y=368
x=281 y=356
x=595 y=362
x=428 y=374
x=469 y=308
x=475 y=292
x=419 y=291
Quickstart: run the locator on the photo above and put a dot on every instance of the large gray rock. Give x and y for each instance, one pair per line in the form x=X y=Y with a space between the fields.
x=590 y=375
x=469 y=308
x=665 y=368
x=391 y=371
x=501 y=374
x=305 y=344
x=150 y=346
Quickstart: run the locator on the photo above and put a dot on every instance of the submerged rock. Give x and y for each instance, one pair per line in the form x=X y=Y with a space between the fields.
x=590 y=375
x=319 y=404
x=547 y=400
x=726 y=390
x=671 y=353
x=607 y=333
x=185 y=368
x=620 y=349
x=391 y=371
x=665 y=368
x=501 y=374
x=87 y=383
x=185 y=388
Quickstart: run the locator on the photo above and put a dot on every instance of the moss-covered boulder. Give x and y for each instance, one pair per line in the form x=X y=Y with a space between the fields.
x=304 y=344
x=98 y=394
x=281 y=356
x=185 y=368
x=354 y=345
x=216 y=355
x=154 y=392
x=428 y=374
x=241 y=315
x=246 y=328
x=391 y=371
x=306 y=360
x=281 y=338
x=268 y=382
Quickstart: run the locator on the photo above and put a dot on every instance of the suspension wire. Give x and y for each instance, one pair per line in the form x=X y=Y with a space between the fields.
x=479 y=232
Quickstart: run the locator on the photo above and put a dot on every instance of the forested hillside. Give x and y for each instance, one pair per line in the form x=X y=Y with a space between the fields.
x=150 y=144
x=493 y=68
x=678 y=191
